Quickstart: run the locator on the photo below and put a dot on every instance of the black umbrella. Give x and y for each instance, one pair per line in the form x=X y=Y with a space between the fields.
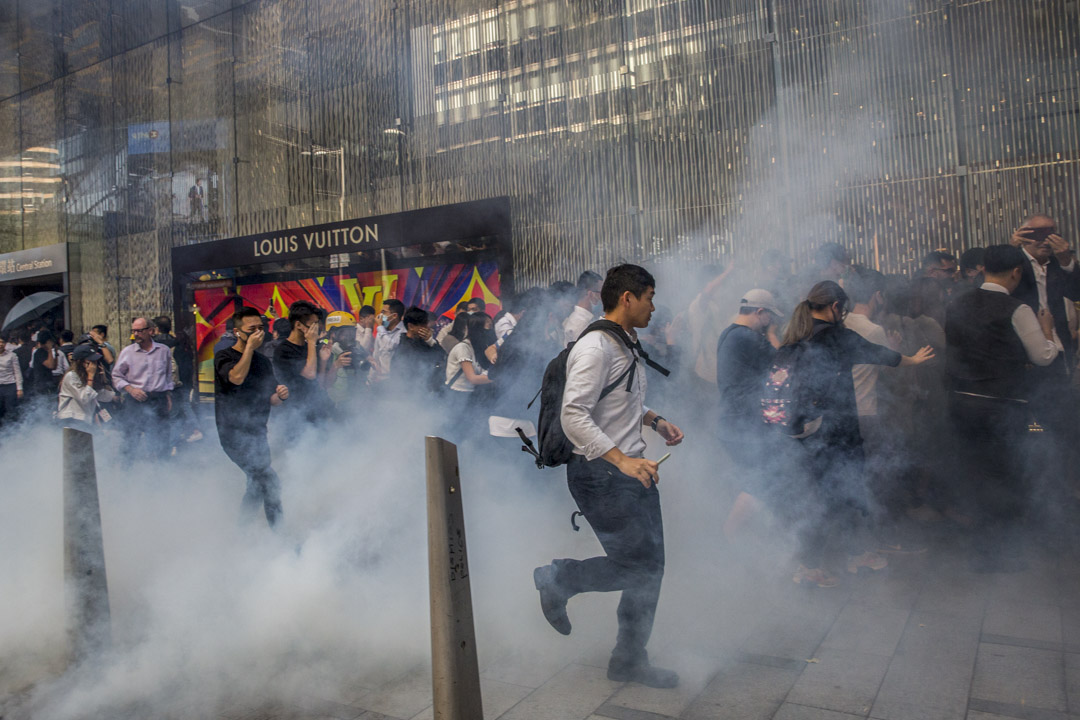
x=32 y=307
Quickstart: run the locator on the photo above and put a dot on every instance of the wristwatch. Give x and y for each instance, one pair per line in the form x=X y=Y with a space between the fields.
x=656 y=421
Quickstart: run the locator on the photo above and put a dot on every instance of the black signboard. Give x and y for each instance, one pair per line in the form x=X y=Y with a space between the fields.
x=461 y=221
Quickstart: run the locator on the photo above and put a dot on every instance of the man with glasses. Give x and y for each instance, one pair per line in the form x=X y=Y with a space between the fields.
x=245 y=388
x=143 y=372
x=940 y=265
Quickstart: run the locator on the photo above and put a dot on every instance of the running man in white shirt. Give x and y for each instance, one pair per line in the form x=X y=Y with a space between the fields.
x=613 y=484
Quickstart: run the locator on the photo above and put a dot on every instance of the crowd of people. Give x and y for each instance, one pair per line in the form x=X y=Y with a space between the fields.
x=848 y=404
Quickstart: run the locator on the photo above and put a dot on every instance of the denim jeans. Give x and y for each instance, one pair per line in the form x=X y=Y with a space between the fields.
x=625 y=515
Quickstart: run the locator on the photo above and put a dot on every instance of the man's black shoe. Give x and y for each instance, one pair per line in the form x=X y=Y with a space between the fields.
x=645 y=674
x=551 y=600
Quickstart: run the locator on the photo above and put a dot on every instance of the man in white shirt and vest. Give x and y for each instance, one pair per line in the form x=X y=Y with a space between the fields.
x=614 y=486
x=992 y=337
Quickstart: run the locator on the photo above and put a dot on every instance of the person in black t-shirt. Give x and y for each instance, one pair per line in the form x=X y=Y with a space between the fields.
x=244 y=389
x=42 y=364
x=744 y=354
x=300 y=361
x=414 y=374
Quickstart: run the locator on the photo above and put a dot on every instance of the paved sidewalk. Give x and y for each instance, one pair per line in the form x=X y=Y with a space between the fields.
x=924 y=640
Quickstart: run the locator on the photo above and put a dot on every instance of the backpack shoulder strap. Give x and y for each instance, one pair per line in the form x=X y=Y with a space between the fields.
x=616 y=330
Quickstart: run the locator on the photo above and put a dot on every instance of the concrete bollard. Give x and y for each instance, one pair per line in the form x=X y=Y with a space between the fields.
x=455 y=673
x=89 y=627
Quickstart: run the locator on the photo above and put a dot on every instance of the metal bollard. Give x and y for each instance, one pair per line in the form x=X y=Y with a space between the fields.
x=89 y=625
x=455 y=673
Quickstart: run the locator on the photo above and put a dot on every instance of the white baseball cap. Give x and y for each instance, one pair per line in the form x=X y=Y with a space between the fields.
x=758 y=298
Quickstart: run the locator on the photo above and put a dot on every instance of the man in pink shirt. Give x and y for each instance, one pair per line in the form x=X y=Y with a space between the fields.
x=143 y=372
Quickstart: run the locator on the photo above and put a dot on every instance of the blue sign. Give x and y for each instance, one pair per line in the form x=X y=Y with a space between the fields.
x=147 y=138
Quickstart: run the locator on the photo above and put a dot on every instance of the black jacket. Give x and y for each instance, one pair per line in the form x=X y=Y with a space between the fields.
x=1059 y=285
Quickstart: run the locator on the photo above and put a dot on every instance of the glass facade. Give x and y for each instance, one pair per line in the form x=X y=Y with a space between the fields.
x=659 y=130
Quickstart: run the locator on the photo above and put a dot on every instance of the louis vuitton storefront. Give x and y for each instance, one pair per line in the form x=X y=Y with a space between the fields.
x=434 y=258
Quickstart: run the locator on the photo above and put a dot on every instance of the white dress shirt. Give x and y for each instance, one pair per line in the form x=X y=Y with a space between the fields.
x=1040 y=351
x=1040 y=283
x=575 y=324
x=365 y=338
x=386 y=342
x=10 y=372
x=504 y=327
x=595 y=426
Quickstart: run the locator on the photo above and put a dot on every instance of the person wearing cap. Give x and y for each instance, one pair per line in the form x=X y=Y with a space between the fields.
x=82 y=389
x=744 y=353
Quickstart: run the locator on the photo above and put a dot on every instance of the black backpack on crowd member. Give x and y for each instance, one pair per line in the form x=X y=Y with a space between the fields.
x=555 y=448
x=787 y=404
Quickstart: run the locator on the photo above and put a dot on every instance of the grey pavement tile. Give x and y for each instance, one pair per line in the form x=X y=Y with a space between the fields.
x=867 y=628
x=321 y=707
x=940 y=635
x=795 y=636
x=742 y=692
x=1037 y=585
x=930 y=675
x=401 y=698
x=890 y=589
x=527 y=670
x=792 y=711
x=694 y=674
x=1072 y=682
x=1070 y=627
x=1020 y=676
x=618 y=712
x=1024 y=620
x=498 y=697
x=961 y=595
x=1023 y=712
x=574 y=693
x=914 y=688
x=842 y=680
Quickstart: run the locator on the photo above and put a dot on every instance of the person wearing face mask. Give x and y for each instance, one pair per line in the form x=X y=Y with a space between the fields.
x=387 y=337
x=245 y=388
x=830 y=448
x=300 y=360
x=587 y=307
x=82 y=389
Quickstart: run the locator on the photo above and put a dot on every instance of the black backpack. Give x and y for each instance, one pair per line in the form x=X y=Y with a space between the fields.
x=555 y=448
x=787 y=403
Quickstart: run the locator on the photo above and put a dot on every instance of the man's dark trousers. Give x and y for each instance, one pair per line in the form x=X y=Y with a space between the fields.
x=149 y=418
x=249 y=449
x=625 y=515
x=9 y=403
